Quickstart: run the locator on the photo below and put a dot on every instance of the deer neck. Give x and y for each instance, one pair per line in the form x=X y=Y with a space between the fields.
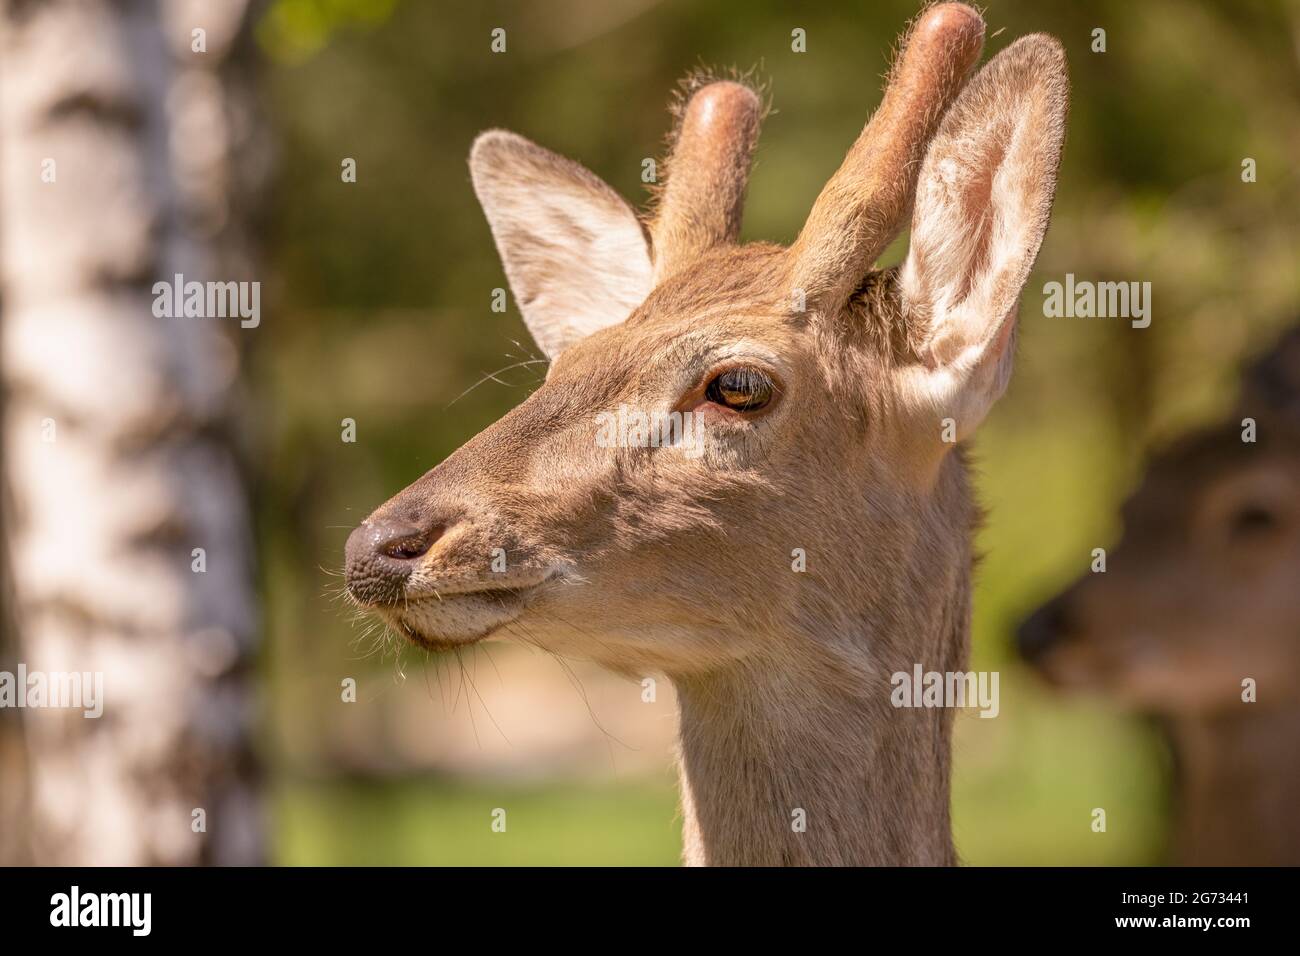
x=1238 y=786
x=798 y=756
x=806 y=761
x=810 y=769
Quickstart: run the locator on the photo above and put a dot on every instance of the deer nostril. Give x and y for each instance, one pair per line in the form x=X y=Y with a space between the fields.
x=408 y=546
x=1043 y=629
x=381 y=557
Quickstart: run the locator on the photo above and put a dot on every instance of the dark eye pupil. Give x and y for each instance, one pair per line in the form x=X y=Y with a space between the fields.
x=741 y=389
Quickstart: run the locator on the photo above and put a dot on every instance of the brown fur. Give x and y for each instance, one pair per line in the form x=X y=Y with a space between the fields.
x=648 y=560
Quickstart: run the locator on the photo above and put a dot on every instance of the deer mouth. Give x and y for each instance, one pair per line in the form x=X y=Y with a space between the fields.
x=443 y=620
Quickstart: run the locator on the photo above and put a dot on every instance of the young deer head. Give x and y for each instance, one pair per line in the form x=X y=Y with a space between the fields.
x=1199 y=595
x=1201 y=591
x=819 y=386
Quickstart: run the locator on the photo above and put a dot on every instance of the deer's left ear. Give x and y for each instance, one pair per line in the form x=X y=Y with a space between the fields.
x=573 y=250
x=982 y=205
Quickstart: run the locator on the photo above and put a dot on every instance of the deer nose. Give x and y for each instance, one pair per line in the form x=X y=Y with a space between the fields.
x=381 y=554
x=1043 y=629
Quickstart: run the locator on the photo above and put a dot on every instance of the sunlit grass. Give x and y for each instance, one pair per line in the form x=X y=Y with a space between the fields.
x=441 y=823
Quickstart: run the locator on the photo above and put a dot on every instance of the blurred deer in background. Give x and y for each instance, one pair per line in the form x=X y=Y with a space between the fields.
x=1202 y=593
x=826 y=390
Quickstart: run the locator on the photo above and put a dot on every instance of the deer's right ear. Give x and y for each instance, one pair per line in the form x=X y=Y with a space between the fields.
x=983 y=201
x=574 y=252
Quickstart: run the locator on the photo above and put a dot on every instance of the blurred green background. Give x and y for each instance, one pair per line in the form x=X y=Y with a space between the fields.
x=382 y=314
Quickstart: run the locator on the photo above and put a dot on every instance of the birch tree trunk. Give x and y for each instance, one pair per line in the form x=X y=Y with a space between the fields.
x=119 y=131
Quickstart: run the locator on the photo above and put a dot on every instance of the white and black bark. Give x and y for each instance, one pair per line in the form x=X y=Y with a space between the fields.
x=123 y=161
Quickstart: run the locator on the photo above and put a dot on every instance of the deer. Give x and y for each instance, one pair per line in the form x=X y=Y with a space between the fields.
x=824 y=388
x=1195 y=622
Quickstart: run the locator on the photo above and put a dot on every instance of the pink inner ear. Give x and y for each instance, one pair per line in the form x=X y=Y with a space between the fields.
x=974 y=208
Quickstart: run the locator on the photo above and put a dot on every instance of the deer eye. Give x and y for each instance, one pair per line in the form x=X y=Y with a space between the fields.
x=742 y=389
x=1252 y=521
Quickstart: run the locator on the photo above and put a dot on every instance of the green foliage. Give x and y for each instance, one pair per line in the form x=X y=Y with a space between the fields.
x=292 y=30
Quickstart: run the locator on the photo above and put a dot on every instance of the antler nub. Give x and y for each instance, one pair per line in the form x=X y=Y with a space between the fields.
x=701 y=204
x=862 y=207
